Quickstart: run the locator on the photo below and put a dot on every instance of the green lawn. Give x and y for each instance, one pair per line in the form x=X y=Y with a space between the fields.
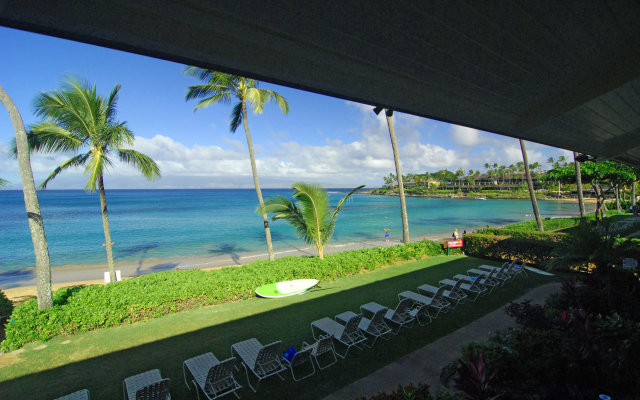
x=101 y=359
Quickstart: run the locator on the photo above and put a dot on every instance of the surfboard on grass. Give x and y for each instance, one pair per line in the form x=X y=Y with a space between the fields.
x=539 y=271
x=285 y=288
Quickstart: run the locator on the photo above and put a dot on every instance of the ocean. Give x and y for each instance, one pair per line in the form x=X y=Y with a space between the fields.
x=166 y=224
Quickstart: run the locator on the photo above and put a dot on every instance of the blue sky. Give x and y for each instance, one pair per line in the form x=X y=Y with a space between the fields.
x=330 y=141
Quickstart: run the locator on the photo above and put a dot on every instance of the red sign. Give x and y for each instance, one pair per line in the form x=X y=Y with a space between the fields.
x=454 y=243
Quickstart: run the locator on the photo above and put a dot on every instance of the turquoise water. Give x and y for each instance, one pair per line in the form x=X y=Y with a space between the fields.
x=165 y=224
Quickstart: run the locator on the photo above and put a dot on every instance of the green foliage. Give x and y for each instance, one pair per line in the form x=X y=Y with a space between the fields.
x=224 y=88
x=408 y=392
x=533 y=248
x=85 y=308
x=583 y=342
x=76 y=118
x=309 y=213
x=6 y=306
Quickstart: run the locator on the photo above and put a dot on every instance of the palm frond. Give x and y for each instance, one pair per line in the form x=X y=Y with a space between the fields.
x=236 y=117
x=98 y=163
x=114 y=136
x=283 y=208
x=112 y=104
x=213 y=93
x=4 y=182
x=143 y=163
x=76 y=161
x=48 y=137
x=314 y=206
x=336 y=211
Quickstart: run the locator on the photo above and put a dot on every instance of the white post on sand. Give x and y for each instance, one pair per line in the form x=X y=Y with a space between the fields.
x=107 y=279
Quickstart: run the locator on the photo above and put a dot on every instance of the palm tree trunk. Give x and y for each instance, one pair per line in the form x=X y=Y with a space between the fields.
x=107 y=232
x=532 y=193
x=32 y=205
x=598 y=204
x=320 y=248
x=396 y=158
x=617 y=190
x=579 y=187
x=256 y=182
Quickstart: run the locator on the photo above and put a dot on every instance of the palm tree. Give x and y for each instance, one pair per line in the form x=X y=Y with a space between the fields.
x=532 y=193
x=3 y=182
x=487 y=166
x=309 y=212
x=579 y=186
x=222 y=87
x=396 y=158
x=32 y=205
x=77 y=119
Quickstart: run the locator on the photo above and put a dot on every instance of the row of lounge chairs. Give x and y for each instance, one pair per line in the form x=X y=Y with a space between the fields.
x=212 y=378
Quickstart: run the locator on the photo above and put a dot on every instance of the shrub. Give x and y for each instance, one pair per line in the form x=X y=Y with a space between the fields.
x=584 y=341
x=85 y=308
x=408 y=392
x=6 y=306
x=533 y=248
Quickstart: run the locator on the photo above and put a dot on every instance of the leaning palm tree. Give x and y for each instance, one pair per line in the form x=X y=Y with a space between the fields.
x=532 y=193
x=309 y=213
x=396 y=158
x=225 y=88
x=77 y=119
x=32 y=205
x=576 y=164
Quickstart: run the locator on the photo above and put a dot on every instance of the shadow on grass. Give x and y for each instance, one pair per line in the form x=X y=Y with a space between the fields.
x=290 y=323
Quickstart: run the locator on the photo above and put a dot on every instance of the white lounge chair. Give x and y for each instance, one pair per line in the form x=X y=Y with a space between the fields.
x=348 y=334
x=299 y=360
x=262 y=361
x=471 y=285
x=519 y=269
x=454 y=295
x=146 y=386
x=421 y=306
x=211 y=377
x=323 y=347
x=436 y=301
x=504 y=272
x=374 y=327
x=79 y=395
x=398 y=317
x=487 y=279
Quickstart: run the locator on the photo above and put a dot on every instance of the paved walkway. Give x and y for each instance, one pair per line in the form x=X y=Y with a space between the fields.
x=425 y=364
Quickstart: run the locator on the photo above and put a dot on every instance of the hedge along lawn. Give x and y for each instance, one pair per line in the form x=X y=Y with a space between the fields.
x=101 y=359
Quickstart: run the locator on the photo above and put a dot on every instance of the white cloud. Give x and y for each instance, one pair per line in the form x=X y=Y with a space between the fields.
x=464 y=136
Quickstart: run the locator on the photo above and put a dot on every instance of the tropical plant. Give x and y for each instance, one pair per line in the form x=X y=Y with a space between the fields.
x=225 y=88
x=3 y=182
x=32 y=205
x=396 y=158
x=309 y=212
x=79 y=120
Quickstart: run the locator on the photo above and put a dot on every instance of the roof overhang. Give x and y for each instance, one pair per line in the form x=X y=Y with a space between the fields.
x=566 y=74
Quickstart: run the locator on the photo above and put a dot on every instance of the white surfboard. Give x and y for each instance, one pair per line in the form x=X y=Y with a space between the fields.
x=285 y=288
x=539 y=271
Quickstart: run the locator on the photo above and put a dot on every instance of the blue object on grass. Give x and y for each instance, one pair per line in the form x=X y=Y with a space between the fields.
x=289 y=354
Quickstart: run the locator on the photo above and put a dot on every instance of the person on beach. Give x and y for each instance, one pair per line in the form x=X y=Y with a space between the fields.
x=386 y=234
x=455 y=234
